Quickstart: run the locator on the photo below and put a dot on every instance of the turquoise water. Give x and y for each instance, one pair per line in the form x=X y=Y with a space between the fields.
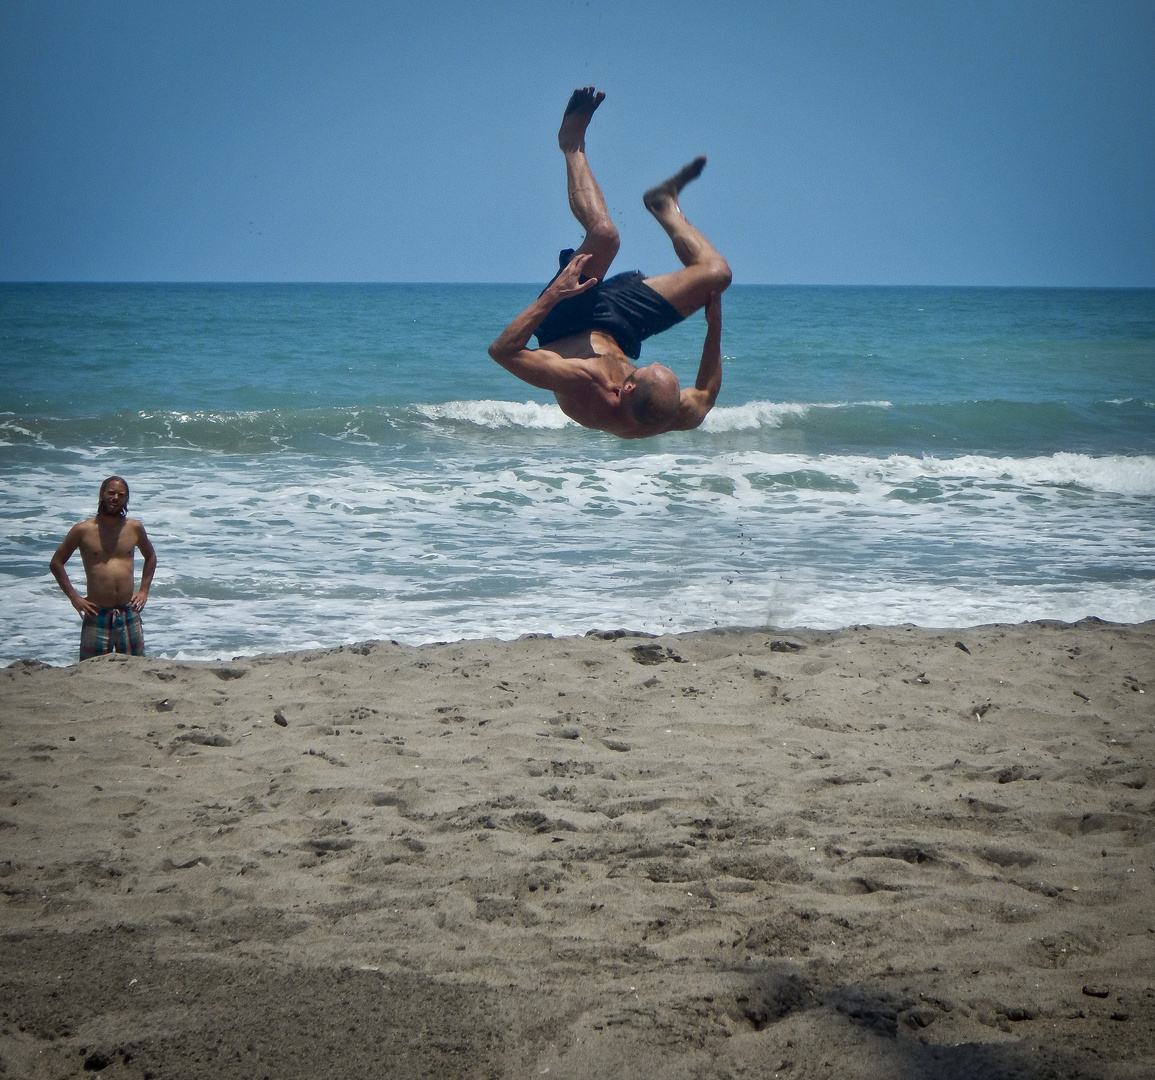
x=323 y=464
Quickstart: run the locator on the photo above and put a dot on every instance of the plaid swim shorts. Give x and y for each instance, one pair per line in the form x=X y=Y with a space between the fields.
x=114 y=629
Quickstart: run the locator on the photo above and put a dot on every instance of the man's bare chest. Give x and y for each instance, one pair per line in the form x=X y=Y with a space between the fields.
x=109 y=543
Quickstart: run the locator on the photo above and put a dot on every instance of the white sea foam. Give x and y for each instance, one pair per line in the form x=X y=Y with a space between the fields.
x=1121 y=474
x=499 y=414
x=1124 y=475
x=752 y=415
x=18 y=429
x=272 y=553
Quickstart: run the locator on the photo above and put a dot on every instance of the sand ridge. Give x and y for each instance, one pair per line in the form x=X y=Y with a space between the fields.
x=874 y=852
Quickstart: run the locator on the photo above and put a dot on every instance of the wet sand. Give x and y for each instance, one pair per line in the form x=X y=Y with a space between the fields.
x=878 y=852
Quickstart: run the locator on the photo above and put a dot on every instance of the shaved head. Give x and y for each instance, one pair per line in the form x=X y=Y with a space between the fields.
x=656 y=395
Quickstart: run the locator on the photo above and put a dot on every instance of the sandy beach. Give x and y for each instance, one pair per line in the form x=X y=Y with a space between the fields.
x=876 y=852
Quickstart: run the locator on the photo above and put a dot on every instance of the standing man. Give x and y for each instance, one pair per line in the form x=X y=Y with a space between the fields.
x=108 y=543
x=589 y=329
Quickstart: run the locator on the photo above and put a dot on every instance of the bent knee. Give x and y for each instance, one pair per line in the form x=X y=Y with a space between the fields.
x=604 y=236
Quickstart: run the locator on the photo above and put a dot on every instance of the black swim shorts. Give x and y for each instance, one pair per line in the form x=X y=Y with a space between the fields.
x=623 y=306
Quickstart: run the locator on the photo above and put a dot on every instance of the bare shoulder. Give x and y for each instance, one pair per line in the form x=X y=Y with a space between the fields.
x=84 y=529
x=83 y=535
x=136 y=531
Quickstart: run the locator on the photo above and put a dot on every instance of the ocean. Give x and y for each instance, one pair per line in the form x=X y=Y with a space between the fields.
x=323 y=464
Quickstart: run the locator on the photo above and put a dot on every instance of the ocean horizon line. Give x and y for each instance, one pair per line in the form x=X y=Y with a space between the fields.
x=313 y=282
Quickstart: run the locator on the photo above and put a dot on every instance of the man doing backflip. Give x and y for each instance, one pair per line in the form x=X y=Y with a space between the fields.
x=108 y=543
x=590 y=329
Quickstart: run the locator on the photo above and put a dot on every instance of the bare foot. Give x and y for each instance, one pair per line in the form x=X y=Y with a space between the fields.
x=582 y=103
x=657 y=197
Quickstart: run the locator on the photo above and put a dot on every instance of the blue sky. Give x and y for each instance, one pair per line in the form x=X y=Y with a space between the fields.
x=886 y=143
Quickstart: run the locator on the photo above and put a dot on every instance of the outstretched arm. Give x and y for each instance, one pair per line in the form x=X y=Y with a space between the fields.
x=699 y=401
x=540 y=367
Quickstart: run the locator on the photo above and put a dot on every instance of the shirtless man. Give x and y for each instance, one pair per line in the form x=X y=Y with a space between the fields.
x=108 y=544
x=589 y=329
